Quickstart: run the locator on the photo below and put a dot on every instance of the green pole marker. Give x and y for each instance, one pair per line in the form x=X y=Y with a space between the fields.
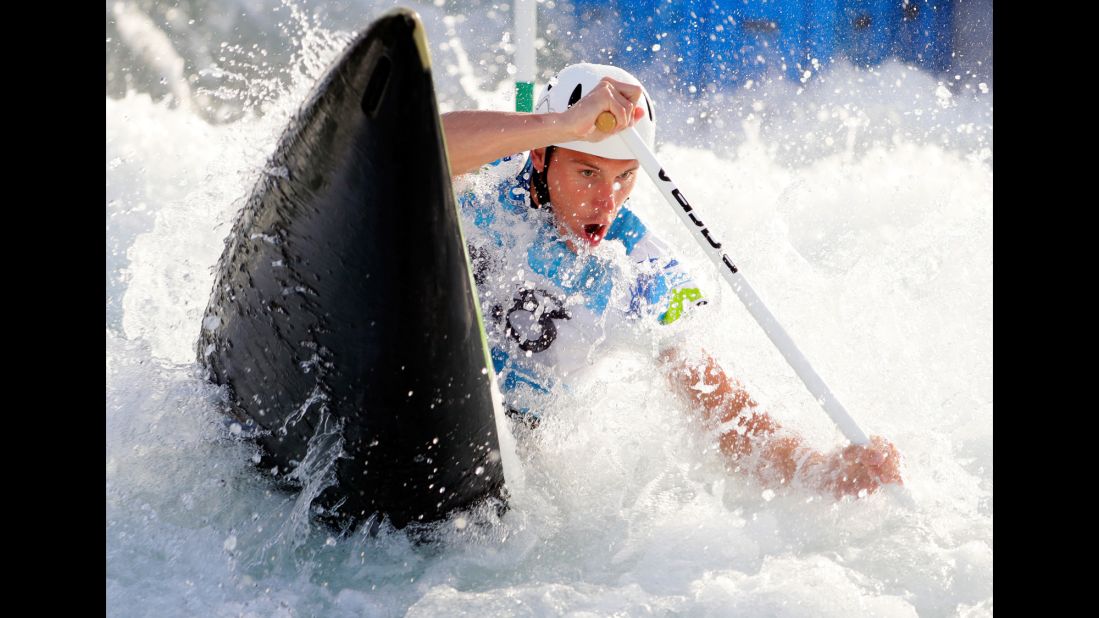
x=524 y=97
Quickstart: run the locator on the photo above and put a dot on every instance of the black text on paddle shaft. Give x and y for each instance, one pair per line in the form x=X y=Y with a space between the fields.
x=705 y=231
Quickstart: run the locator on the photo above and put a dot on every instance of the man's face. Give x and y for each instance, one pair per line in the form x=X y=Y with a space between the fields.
x=586 y=191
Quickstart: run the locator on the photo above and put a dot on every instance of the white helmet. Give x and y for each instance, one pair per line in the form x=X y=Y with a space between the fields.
x=577 y=80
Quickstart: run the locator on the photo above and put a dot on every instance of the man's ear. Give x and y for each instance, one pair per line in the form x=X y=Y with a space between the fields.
x=538 y=158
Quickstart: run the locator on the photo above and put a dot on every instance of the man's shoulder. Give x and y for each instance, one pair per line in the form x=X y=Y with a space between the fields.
x=641 y=243
x=628 y=229
x=505 y=167
x=514 y=161
x=505 y=170
x=499 y=189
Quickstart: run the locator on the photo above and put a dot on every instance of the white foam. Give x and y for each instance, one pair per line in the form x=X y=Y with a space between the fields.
x=874 y=250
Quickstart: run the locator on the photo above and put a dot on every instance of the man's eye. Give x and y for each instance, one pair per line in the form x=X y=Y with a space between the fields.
x=627 y=175
x=587 y=173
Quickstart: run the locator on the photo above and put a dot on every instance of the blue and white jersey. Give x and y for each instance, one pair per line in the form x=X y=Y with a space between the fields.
x=546 y=308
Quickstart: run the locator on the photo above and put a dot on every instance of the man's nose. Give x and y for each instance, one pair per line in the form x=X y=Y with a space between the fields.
x=604 y=196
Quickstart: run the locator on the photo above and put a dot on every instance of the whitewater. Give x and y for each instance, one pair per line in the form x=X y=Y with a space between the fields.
x=858 y=203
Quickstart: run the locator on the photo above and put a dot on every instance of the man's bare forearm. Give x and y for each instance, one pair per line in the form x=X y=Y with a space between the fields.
x=723 y=399
x=474 y=138
x=779 y=458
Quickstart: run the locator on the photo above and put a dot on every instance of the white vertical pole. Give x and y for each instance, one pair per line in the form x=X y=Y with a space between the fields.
x=525 y=34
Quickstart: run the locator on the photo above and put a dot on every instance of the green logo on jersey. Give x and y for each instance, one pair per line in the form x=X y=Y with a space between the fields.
x=675 y=305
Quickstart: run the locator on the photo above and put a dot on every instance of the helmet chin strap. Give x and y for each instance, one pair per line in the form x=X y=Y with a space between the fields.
x=538 y=181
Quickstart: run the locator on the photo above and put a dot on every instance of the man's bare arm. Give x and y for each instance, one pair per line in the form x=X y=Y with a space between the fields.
x=474 y=138
x=780 y=458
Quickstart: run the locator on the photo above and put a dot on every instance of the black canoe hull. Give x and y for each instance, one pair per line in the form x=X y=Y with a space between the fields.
x=344 y=300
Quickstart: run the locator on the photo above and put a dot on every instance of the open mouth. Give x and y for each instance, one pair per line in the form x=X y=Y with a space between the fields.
x=594 y=232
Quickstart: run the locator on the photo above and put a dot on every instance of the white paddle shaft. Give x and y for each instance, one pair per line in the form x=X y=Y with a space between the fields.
x=713 y=249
